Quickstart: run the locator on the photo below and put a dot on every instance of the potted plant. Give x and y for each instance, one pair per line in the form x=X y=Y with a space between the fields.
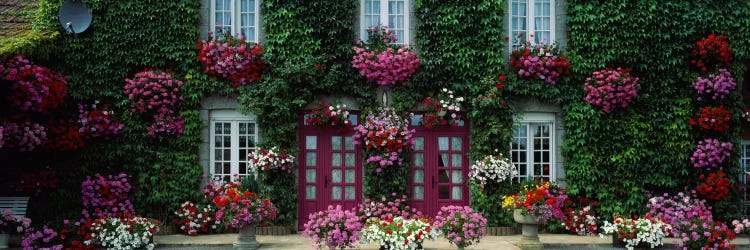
x=325 y=114
x=461 y=225
x=193 y=219
x=127 y=232
x=381 y=61
x=492 y=169
x=11 y=224
x=539 y=61
x=442 y=110
x=334 y=228
x=241 y=209
x=231 y=58
x=536 y=204
x=634 y=232
x=385 y=136
x=611 y=89
x=398 y=233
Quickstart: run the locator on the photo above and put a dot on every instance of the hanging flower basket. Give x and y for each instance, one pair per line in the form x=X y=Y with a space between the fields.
x=610 y=89
x=715 y=87
x=325 y=114
x=442 y=110
x=385 y=137
x=382 y=62
x=231 y=58
x=33 y=87
x=711 y=52
x=539 y=61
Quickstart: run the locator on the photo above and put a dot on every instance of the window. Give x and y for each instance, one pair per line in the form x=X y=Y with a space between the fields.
x=391 y=13
x=532 y=149
x=531 y=17
x=745 y=174
x=237 y=17
x=233 y=137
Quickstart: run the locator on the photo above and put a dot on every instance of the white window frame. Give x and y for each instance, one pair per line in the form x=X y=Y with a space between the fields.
x=384 y=20
x=530 y=18
x=236 y=16
x=533 y=119
x=235 y=118
x=745 y=169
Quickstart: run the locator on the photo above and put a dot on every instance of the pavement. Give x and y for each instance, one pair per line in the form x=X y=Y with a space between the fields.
x=297 y=242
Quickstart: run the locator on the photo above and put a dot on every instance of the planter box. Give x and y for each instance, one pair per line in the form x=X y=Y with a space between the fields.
x=500 y=231
x=273 y=230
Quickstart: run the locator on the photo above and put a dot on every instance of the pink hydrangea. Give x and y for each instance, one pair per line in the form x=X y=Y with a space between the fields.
x=611 y=89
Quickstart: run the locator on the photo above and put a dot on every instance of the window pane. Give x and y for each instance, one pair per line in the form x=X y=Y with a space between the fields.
x=418 y=176
x=349 y=143
x=443 y=160
x=350 y=176
x=336 y=176
x=311 y=142
x=336 y=193
x=227 y=128
x=311 y=175
x=336 y=159
x=349 y=160
x=418 y=192
x=443 y=143
x=227 y=141
x=243 y=141
x=419 y=143
x=456 y=144
x=457 y=176
x=310 y=192
x=443 y=192
x=457 y=160
x=457 y=193
x=243 y=168
x=443 y=176
x=418 y=160
x=311 y=159
x=336 y=142
x=217 y=155
x=350 y=193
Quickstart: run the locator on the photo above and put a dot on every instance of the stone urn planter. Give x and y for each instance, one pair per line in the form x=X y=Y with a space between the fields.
x=246 y=239
x=529 y=230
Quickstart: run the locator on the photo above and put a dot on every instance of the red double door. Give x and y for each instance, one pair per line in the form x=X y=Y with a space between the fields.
x=330 y=169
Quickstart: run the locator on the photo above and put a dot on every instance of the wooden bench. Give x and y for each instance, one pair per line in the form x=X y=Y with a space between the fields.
x=17 y=205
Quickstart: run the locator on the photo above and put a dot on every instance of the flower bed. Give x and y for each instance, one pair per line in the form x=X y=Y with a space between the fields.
x=233 y=59
x=715 y=187
x=539 y=61
x=193 y=219
x=537 y=200
x=381 y=62
x=611 y=89
x=398 y=233
x=238 y=208
x=106 y=196
x=636 y=231
x=129 y=232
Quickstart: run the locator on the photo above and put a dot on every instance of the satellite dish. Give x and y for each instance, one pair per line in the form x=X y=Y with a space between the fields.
x=75 y=17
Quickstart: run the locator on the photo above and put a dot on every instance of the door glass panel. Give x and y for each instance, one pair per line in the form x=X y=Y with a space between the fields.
x=443 y=176
x=336 y=193
x=444 y=192
x=457 y=176
x=418 y=192
x=336 y=159
x=350 y=193
x=419 y=160
x=336 y=176
x=419 y=143
x=311 y=159
x=336 y=142
x=456 y=160
x=349 y=159
x=310 y=192
x=457 y=193
x=418 y=176
x=443 y=160
x=349 y=176
x=349 y=143
x=456 y=143
x=311 y=175
x=443 y=143
x=311 y=142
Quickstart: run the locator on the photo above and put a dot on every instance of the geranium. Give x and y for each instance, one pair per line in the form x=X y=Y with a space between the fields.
x=238 y=207
x=271 y=159
x=326 y=114
x=193 y=219
x=611 y=89
x=166 y=125
x=33 y=87
x=715 y=86
x=461 y=225
x=537 y=200
x=711 y=154
x=581 y=221
x=106 y=196
x=637 y=231
x=128 y=232
x=75 y=234
x=99 y=121
x=63 y=135
x=443 y=110
x=372 y=210
x=710 y=52
x=400 y=234
x=10 y=224
x=35 y=183
x=741 y=226
x=539 y=61
x=385 y=137
x=233 y=59
x=712 y=119
x=153 y=91
x=333 y=228
x=704 y=234
x=716 y=186
x=675 y=209
x=745 y=116
x=25 y=136
x=380 y=61
x=47 y=238
x=492 y=169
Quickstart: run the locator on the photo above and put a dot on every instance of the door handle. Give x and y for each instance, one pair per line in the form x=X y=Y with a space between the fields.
x=433 y=182
x=325 y=182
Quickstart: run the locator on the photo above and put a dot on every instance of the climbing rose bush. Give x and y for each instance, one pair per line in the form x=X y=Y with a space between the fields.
x=63 y=135
x=230 y=58
x=710 y=52
x=334 y=228
x=711 y=154
x=33 y=87
x=461 y=225
x=106 y=196
x=715 y=86
x=382 y=62
x=610 y=89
